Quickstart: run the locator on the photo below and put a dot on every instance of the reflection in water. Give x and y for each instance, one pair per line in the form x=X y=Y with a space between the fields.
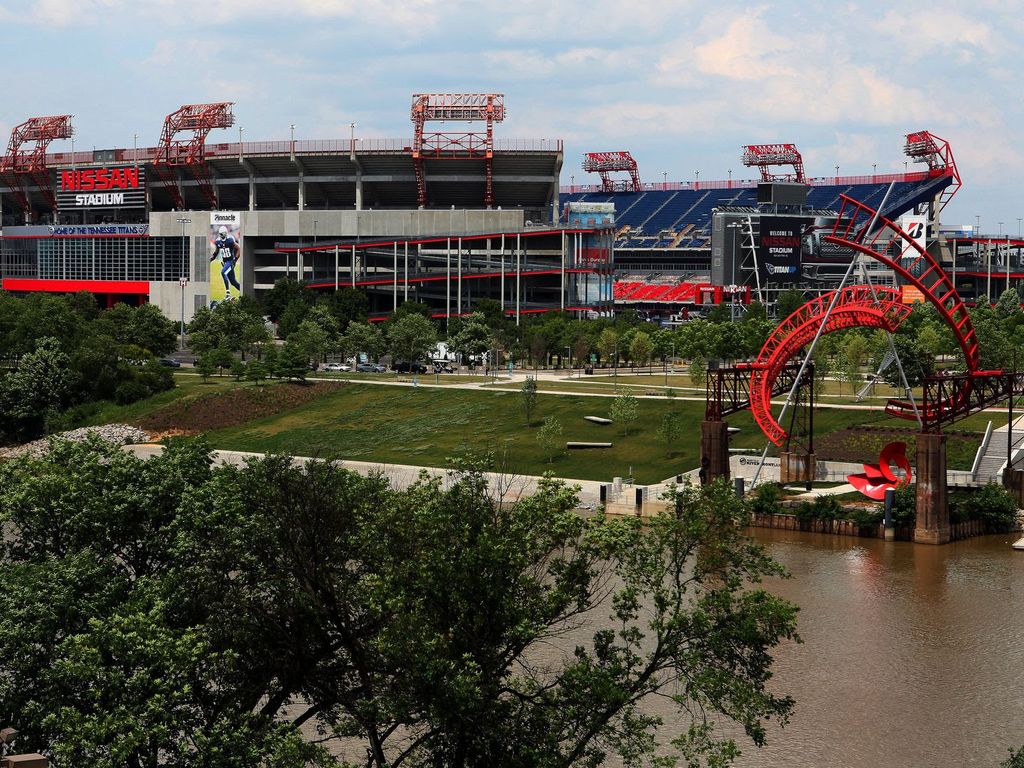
x=910 y=653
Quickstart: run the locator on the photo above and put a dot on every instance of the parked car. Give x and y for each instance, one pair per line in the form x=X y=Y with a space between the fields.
x=404 y=367
x=337 y=367
x=370 y=368
x=170 y=362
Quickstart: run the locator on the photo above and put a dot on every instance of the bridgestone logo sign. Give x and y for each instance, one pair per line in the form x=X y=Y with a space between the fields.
x=118 y=187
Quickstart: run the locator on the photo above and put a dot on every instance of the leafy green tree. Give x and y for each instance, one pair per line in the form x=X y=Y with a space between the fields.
x=669 y=429
x=364 y=338
x=256 y=372
x=624 y=410
x=640 y=348
x=472 y=337
x=698 y=371
x=206 y=366
x=40 y=387
x=1008 y=304
x=528 y=398
x=788 y=302
x=292 y=362
x=608 y=343
x=411 y=338
x=237 y=369
x=917 y=363
x=284 y=292
x=548 y=437
x=311 y=339
x=292 y=317
x=403 y=619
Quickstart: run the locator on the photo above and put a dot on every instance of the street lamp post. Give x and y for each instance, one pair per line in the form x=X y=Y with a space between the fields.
x=352 y=138
x=697 y=176
x=183 y=280
x=664 y=179
x=135 y=145
x=837 y=172
x=569 y=350
x=240 y=129
x=292 y=129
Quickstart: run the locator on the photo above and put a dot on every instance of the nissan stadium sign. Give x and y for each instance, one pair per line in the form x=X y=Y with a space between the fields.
x=114 y=187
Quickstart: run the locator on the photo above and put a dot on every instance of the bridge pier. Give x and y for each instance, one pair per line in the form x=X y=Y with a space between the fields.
x=932 y=501
x=796 y=467
x=714 y=451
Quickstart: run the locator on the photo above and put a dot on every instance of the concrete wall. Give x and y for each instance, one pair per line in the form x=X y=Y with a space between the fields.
x=333 y=225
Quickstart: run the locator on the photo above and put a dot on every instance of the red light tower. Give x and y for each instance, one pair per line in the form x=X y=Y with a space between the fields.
x=764 y=156
x=935 y=152
x=604 y=163
x=190 y=152
x=469 y=107
x=20 y=161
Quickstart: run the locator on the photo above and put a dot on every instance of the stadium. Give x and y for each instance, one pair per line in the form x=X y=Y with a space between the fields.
x=447 y=218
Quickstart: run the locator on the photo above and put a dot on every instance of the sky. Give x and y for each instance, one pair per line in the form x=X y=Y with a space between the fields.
x=682 y=85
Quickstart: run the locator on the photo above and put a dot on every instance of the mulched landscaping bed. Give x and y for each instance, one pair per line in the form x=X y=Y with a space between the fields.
x=218 y=409
x=863 y=444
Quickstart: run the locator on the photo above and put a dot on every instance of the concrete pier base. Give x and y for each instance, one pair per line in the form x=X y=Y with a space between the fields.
x=714 y=451
x=796 y=467
x=1013 y=481
x=932 y=497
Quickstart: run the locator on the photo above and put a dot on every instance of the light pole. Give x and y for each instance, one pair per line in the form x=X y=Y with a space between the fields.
x=314 y=232
x=569 y=350
x=352 y=138
x=837 y=173
x=72 y=153
x=730 y=178
x=240 y=129
x=135 y=145
x=670 y=360
x=572 y=183
x=874 y=169
x=697 y=183
x=292 y=129
x=664 y=179
x=183 y=280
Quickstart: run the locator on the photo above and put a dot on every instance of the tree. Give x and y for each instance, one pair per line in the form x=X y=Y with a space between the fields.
x=624 y=410
x=101 y=666
x=206 y=366
x=237 y=369
x=292 y=362
x=669 y=429
x=37 y=390
x=291 y=318
x=788 y=302
x=256 y=372
x=608 y=343
x=854 y=350
x=402 y=618
x=917 y=363
x=548 y=436
x=284 y=292
x=311 y=339
x=640 y=348
x=364 y=338
x=699 y=371
x=528 y=397
x=1008 y=304
x=411 y=337
x=473 y=336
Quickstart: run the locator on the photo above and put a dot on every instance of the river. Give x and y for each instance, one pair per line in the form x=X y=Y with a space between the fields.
x=911 y=653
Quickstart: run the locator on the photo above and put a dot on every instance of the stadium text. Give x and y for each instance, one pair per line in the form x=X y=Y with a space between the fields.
x=98 y=179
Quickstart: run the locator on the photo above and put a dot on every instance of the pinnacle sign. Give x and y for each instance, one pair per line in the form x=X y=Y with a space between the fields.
x=116 y=187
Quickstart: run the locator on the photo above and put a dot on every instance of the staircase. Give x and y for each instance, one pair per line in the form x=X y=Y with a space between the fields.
x=989 y=466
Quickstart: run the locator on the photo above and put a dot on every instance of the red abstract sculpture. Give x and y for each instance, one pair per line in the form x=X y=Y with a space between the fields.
x=876 y=479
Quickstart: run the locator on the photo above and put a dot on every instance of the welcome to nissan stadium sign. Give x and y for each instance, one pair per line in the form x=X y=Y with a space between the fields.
x=114 y=187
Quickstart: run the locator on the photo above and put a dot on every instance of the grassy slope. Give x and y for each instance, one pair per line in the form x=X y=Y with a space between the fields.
x=424 y=426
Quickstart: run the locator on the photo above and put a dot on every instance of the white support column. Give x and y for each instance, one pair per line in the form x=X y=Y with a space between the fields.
x=458 y=302
x=448 y=282
x=519 y=274
x=336 y=267
x=406 y=295
x=563 y=269
x=394 y=275
x=302 y=192
x=502 y=267
x=353 y=266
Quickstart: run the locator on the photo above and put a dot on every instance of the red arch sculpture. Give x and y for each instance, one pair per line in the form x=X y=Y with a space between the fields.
x=861 y=229
x=856 y=307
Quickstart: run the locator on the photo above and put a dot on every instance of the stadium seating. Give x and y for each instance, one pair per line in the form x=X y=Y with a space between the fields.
x=680 y=219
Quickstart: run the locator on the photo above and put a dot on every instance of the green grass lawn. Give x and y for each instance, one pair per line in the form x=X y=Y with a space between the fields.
x=425 y=426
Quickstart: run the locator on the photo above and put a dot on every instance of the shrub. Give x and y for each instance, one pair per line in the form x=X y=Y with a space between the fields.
x=904 y=507
x=766 y=499
x=130 y=391
x=866 y=518
x=992 y=505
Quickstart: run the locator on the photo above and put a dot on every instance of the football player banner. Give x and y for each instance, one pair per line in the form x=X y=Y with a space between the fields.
x=226 y=247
